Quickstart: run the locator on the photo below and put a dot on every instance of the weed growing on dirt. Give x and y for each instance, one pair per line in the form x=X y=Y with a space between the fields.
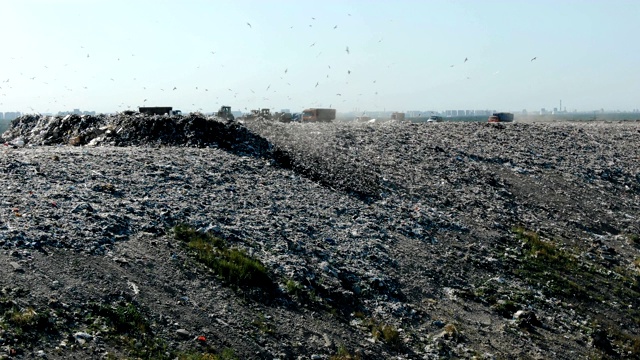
x=385 y=332
x=232 y=265
x=226 y=354
x=544 y=263
x=344 y=354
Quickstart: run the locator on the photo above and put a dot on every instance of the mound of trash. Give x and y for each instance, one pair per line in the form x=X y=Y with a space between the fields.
x=135 y=129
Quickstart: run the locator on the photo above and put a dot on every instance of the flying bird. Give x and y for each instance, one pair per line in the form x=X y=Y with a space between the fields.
x=335 y=27
x=347 y=50
x=317 y=84
x=145 y=100
x=249 y=24
x=339 y=94
x=285 y=70
x=348 y=71
x=534 y=58
x=268 y=87
x=174 y=88
x=465 y=59
x=312 y=44
x=87 y=55
x=452 y=66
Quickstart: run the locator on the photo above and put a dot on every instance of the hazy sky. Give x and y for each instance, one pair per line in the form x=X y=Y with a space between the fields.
x=109 y=55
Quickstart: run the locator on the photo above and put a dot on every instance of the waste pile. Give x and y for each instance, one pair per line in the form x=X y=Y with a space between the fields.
x=135 y=129
x=385 y=240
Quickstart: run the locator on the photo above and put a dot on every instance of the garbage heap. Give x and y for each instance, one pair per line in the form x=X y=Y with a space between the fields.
x=135 y=129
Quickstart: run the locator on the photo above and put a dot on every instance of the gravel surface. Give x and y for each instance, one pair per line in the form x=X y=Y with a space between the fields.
x=382 y=240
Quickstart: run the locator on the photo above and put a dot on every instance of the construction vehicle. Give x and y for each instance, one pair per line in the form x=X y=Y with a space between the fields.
x=397 y=116
x=225 y=113
x=158 y=110
x=265 y=113
x=501 y=117
x=285 y=117
x=318 y=115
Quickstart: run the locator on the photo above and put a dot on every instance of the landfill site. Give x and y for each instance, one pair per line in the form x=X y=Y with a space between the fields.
x=141 y=236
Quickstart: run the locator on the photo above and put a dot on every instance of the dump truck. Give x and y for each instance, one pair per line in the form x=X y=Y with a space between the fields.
x=159 y=110
x=225 y=113
x=500 y=117
x=318 y=115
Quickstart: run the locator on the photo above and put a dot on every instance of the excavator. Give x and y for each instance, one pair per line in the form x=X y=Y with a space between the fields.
x=225 y=113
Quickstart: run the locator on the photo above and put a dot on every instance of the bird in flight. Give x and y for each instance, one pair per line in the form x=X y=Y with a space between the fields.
x=285 y=70
x=534 y=58
x=339 y=94
x=87 y=55
x=268 y=87
x=174 y=88
x=347 y=50
x=335 y=27
x=348 y=71
x=317 y=84
x=452 y=66
x=312 y=44
x=145 y=100
x=249 y=24
x=465 y=59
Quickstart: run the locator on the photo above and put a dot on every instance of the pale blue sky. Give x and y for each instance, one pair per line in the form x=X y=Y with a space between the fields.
x=400 y=54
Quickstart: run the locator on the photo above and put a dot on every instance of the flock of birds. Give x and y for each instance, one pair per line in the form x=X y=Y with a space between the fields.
x=347 y=50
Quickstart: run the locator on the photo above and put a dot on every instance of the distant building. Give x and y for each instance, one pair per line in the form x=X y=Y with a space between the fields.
x=1 y=116
x=461 y=112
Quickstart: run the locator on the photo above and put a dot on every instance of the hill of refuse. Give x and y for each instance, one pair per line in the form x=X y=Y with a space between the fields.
x=395 y=240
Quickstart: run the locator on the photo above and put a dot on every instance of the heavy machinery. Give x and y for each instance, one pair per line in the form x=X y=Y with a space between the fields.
x=397 y=116
x=285 y=117
x=265 y=113
x=501 y=117
x=225 y=113
x=159 y=110
x=318 y=115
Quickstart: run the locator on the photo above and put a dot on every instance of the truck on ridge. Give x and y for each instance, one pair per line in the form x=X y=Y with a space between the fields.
x=501 y=117
x=318 y=115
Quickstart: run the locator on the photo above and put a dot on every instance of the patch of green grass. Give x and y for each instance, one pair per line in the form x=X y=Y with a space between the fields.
x=226 y=354
x=25 y=323
x=506 y=308
x=124 y=318
x=344 y=354
x=544 y=263
x=386 y=333
x=262 y=324
x=294 y=288
x=127 y=327
x=232 y=265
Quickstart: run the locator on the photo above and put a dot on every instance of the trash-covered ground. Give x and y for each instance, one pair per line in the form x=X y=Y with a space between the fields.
x=425 y=241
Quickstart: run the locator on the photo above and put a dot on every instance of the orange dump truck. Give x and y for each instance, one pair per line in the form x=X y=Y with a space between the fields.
x=318 y=115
